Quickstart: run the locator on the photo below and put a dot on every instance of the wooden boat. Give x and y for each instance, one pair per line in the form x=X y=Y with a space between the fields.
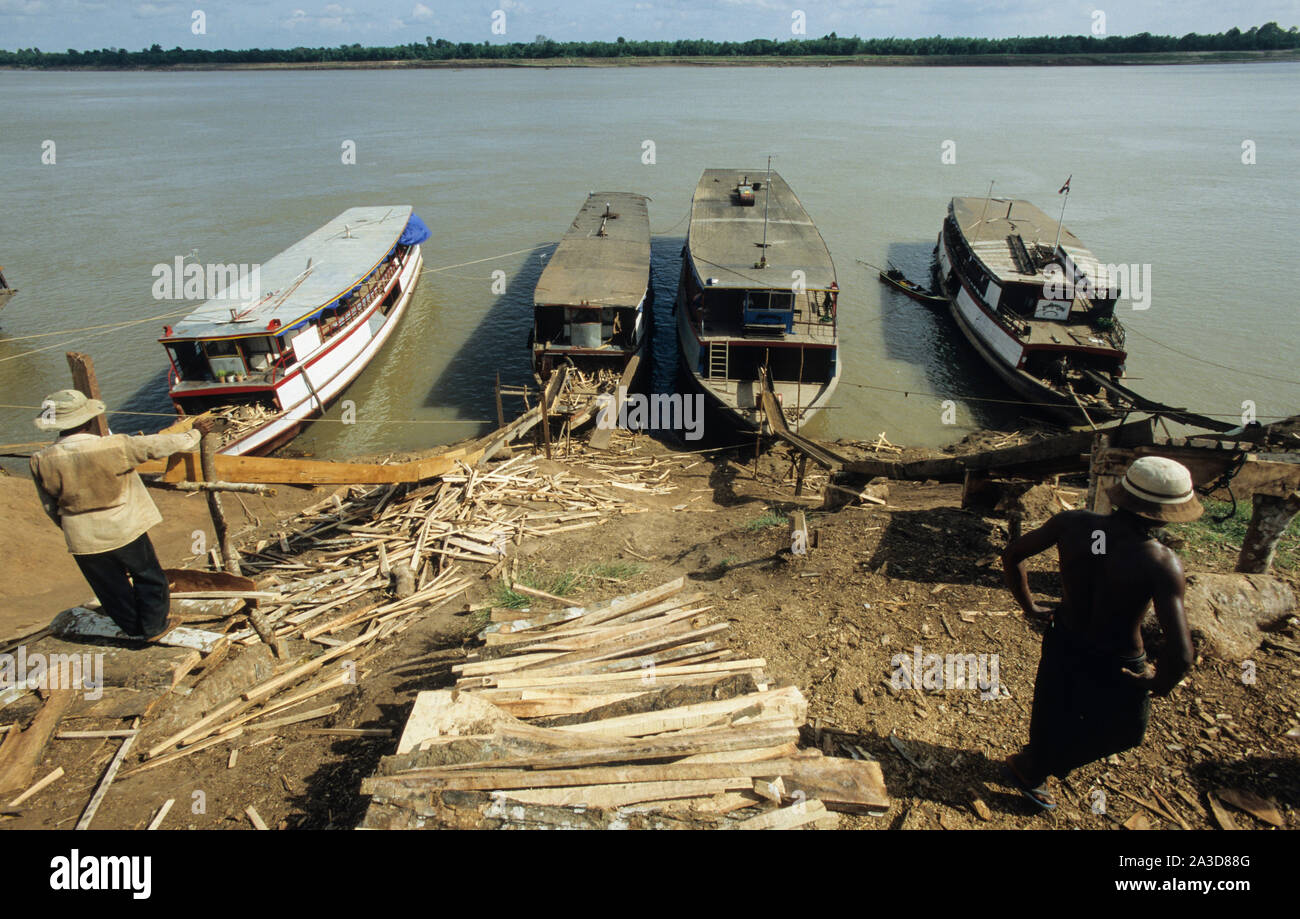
x=897 y=280
x=5 y=290
x=325 y=306
x=1035 y=312
x=757 y=290
x=589 y=305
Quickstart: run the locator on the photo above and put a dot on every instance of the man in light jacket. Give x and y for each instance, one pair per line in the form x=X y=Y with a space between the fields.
x=89 y=487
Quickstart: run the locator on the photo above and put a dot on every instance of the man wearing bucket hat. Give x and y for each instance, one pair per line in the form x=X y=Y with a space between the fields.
x=88 y=487
x=1093 y=688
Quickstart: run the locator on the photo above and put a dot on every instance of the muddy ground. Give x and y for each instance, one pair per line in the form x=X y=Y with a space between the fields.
x=881 y=581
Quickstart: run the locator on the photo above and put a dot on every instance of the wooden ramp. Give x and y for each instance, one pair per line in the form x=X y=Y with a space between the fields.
x=629 y=713
x=775 y=419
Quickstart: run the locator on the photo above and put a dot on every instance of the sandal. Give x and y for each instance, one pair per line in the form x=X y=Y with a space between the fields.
x=1041 y=797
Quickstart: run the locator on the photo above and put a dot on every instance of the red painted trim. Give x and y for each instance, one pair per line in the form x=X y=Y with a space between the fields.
x=979 y=302
x=337 y=340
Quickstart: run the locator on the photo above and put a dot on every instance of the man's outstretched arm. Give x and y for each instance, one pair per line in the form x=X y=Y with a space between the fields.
x=1013 y=564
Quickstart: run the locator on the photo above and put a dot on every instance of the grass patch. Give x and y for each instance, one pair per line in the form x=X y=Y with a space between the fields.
x=564 y=583
x=1222 y=541
x=773 y=518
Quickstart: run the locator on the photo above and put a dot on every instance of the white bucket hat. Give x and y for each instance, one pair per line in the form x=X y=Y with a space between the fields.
x=67 y=409
x=1157 y=488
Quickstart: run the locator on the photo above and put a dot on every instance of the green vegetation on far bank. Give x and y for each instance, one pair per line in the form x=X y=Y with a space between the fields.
x=1264 y=41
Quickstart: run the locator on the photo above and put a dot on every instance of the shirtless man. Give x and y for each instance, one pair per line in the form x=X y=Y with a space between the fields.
x=1092 y=692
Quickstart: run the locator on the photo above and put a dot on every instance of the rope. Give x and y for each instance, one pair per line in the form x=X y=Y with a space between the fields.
x=966 y=398
x=175 y=417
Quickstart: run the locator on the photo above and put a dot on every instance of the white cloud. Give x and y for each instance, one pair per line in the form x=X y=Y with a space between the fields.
x=421 y=13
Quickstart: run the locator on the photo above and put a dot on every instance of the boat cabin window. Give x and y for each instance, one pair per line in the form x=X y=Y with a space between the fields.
x=259 y=352
x=769 y=309
x=224 y=358
x=1020 y=299
x=189 y=360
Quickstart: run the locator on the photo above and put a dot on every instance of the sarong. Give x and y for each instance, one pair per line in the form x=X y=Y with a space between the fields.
x=1084 y=709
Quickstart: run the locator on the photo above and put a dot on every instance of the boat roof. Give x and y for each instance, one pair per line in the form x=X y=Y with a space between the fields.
x=725 y=241
x=308 y=275
x=590 y=269
x=989 y=223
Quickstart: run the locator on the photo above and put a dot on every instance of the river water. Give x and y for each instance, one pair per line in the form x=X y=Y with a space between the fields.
x=239 y=165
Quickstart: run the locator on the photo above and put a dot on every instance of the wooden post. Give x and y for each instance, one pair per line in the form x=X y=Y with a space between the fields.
x=501 y=414
x=546 y=423
x=1097 y=500
x=207 y=464
x=84 y=380
x=798 y=533
x=798 y=481
x=1271 y=517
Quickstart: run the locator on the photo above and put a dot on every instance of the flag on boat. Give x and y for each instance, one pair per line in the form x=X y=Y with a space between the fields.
x=1066 y=187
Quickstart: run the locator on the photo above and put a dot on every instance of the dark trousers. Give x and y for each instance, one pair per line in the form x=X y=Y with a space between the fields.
x=130 y=585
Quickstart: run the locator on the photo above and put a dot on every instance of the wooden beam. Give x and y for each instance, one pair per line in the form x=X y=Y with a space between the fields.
x=25 y=750
x=84 y=380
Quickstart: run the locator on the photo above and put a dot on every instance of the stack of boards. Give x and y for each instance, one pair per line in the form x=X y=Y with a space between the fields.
x=630 y=713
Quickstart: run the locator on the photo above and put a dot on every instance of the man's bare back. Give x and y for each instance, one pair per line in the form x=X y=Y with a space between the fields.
x=1112 y=568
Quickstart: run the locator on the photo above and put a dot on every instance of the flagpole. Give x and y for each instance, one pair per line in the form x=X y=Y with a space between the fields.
x=1056 y=248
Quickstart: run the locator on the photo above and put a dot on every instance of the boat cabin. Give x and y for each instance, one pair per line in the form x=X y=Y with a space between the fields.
x=588 y=305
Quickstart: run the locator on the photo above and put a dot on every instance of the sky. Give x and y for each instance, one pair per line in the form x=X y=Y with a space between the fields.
x=57 y=25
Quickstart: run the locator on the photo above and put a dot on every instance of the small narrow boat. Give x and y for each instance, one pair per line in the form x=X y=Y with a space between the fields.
x=757 y=291
x=589 y=305
x=269 y=356
x=897 y=280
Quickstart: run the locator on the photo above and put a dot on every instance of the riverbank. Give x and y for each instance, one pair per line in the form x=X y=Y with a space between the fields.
x=860 y=60
x=882 y=580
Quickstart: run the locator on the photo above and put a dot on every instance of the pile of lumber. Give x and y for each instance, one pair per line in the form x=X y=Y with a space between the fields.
x=341 y=549
x=630 y=713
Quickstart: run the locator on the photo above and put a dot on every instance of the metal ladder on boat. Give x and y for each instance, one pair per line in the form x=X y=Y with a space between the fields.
x=718 y=360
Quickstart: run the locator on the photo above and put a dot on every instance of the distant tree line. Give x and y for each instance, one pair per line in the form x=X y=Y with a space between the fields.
x=1267 y=37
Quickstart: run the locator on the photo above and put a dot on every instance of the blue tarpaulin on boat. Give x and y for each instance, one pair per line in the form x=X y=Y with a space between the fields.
x=416 y=232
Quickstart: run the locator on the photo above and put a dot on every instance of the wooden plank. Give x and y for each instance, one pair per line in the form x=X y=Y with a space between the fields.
x=109 y=774
x=606 y=796
x=598 y=775
x=669 y=746
x=266 y=689
x=272 y=471
x=785 y=701
x=19 y=766
x=786 y=818
x=599 y=635
x=849 y=785
x=54 y=776
x=161 y=815
x=674 y=635
x=525 y=681
x=255 y=818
